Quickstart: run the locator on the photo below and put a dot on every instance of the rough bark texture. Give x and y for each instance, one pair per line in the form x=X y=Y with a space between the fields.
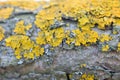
x=59 y=64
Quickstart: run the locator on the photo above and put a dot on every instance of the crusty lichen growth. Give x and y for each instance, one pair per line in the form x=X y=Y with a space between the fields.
x=83 y=65
x=1 y=33
x=21 y=28
x=118 y=47
x=5 y=13
x=24 y=47
x=88 y=14
x=25 y=4
x=104 y=38
x=87 y=77
x=105 y=47
x=47 y=17
x=83 y=37
x=53 y=37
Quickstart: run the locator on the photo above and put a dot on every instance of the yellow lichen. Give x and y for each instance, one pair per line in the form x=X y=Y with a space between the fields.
x=24 y=47
x=118 y=46
x=87 y=77
x=59 y=36
x=88 y=14
x=41 y=38
x=1 y=33
x=53 y=37
x=105 y=47
x=82 y=65
x=21 y=28
x=105 y=37
x=44 y=21
x=85 y=37
x=25 y=4
x=5 y=13
x=115 y=32
x=83 y=21
x=70 y=40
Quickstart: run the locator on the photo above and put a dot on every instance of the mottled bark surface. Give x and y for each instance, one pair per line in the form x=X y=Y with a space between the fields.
x=60 y=63
x=105 y=66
